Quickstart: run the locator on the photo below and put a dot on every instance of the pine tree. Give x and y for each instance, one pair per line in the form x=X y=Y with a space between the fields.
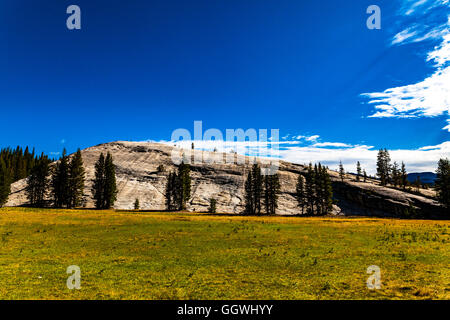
x=341 y=171
x=212 y=206
x=275 y=191
x=18 y=163
x=326 y=192
x=365 y=176
x=383 y=166
x=442 y=183
x=5 y=182
x=20 y=170
x=404 y=176
x=248 y=189
x=314 y=191
x=136 y=204
x=76 y=180
x=310 y=189
x=300 y=194
x=271 y=191
x=168 y=192
x=178 y=188
x=395 y=174
x=60 y=182
x=318 y=188
x=257 y=188
x=253 y=190
x=15 y=164
x=110 y=191
x=358 y=171
x=183 y=186
x=172 y=192
x=38 y=182
x=98 y=186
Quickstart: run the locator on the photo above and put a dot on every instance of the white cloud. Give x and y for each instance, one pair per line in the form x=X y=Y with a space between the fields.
x=447 y=127
x=411 y=7
x=312 y=138
x=332 y=144
x=404 y=35
x=416 y=160
x=441 y=54
x=431 y=96
x=328 y=153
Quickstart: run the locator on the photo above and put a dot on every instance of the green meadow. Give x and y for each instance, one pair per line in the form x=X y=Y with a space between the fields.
x=159 y=255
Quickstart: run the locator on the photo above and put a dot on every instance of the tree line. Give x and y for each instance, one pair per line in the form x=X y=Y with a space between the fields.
x=104 y=187
x=60 y=185
x=396 y=175
x=261 y=191
x=442 y=183
x=390 y=173
x=178 y=188
x=15 y=164
x=386 y=172
x=314 y=192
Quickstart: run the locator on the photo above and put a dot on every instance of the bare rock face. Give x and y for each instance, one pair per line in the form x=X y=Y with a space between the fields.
x=138 y=177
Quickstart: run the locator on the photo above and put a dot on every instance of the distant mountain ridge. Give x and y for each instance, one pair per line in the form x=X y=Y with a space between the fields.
x=425 y=177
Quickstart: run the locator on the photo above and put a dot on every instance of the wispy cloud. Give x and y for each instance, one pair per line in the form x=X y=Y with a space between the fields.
x=422 y=7
x=312 y=138
x=332 y=144
x=431 y=96
x=405 y=35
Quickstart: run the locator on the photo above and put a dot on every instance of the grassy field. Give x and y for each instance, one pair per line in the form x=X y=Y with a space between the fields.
x=128 y=255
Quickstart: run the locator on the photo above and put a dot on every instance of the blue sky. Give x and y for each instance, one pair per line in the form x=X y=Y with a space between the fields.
x=137 y=70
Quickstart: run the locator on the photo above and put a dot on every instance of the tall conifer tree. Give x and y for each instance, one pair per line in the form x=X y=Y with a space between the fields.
x=60 y=182
x=76 y=180
x=327 y=195
x=38 y=182
x=183 y=184
x=341 y=171
x=271 y=191
x=98 y=186
x=383 y=166
x=300 y=193
x=110 y=191
x=358 y=171
x=442 y=183
x=310 y=189
x=254 y=190
x=404 y=176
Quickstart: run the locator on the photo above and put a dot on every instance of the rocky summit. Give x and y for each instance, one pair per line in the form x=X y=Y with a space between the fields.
x=138 y=177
